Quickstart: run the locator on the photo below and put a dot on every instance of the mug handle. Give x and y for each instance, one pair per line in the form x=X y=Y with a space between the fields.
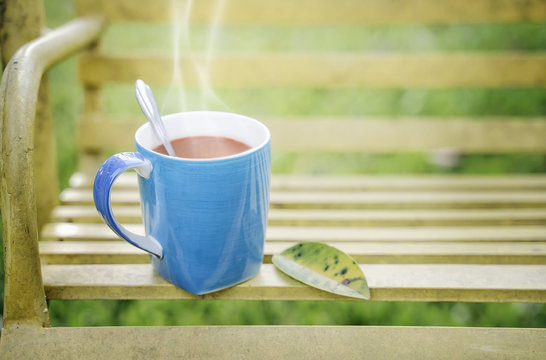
x=102 y=186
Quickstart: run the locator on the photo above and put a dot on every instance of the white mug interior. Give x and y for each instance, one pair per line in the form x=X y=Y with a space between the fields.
x=207 y=123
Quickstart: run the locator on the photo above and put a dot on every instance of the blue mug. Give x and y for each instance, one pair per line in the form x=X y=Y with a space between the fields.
x=205 y=219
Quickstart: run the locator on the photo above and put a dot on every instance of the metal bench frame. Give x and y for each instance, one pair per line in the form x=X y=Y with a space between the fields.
x=27 y=332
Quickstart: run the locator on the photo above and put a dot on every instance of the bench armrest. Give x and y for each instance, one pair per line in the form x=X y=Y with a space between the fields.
x=18 y=99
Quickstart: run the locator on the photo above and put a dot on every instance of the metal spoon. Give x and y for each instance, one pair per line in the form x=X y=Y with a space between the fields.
x=149 y=107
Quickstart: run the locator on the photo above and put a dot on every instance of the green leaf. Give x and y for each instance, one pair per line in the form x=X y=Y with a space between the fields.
x=324 y=267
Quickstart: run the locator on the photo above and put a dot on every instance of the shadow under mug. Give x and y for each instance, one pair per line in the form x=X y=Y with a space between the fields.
x=205 y=219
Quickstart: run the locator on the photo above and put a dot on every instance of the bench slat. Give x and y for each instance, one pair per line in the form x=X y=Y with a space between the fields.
x=100 y=231
x=274 y=342
x=128 y=181
x=381 y=217
x=402 y=182
x=370 y=134
x=120 y=252
x=91 y=252
x=311 y=12
x=357 y=200
x=476 y=283
x=453 y=70
x=414 y=199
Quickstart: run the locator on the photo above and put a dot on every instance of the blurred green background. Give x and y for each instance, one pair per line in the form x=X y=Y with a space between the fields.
x=67 y=105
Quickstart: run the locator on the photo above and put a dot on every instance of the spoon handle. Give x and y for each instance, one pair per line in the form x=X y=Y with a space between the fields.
x=149 y=106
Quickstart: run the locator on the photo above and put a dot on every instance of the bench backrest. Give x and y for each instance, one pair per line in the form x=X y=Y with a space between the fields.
x=346 y=75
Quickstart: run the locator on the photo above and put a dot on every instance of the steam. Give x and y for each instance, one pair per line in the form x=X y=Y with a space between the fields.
x=182 y=48
x=207 y=93
x=180 y=22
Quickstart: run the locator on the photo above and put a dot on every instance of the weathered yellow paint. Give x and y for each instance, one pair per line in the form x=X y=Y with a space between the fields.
x=45 y=156
x=359 y=200
x=409 y=199
x=93 y=101
x=468 y=135
x=387 y=282
x=406 y=217
x=456 y=254
x=91 y=252
x=453 y=70
x=23 y=21
x=431 y=253
x=88 y=214
x=83 y=231
x=120 y=252
x=478 y=135
x=128 y=181
x=98 y=231
x=274 y=342
x=372 y=12
x=334 y=217
x=382 y=182
x=24 y=301
x=401 y=234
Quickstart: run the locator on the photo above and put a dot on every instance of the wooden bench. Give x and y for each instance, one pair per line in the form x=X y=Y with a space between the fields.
x=417 y=238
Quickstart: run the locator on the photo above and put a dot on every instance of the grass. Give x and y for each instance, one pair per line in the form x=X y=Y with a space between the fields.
x=67 y=104
x=230 y=312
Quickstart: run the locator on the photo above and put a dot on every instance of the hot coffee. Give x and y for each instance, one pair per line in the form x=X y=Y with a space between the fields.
x=204 y=147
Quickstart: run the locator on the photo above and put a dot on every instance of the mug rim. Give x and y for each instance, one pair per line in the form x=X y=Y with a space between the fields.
x=147 y=127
